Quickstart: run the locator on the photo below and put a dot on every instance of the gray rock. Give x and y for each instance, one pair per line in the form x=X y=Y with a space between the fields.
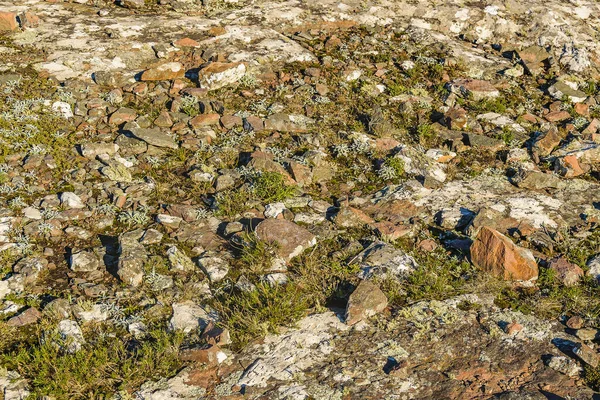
x=154 y=137
x=84 y=261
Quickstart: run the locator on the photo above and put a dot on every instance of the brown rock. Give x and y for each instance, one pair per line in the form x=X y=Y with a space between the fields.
x=546 y=142
x=533 y=58
x=204 y=355
x=254 y=123
x=587 y=354
x=366 y=301
x=8 y=21
x=121 y=116
x=568 y=166
x=215 y=335
x=456 y=118
x=474 y=88
x=513 y=328
x=164 y=72
x=582 y=109
x=27 y=317
x=557 y=116
x=202 y=377
x=575 y=322
x=186 y=42
x=391 y=230
x=205 y=120
x=301 y=173
x=495 y=253
x=290 y=238
x=568 y=273
x=230 y=121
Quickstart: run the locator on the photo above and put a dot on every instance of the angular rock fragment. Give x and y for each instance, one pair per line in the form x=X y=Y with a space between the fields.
x=290 y=238
x=366 y=301
x=533 y=58
x=567 y=273
x=495 y=253
x=217 y=74
x=155 y=137
x=188 y=316
x=164 y=72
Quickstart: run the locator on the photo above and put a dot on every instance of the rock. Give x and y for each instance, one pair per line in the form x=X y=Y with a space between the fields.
x=71 y=200
x=546 y=142
x=216 y=335
x=533 y=58
x=567 y=273
x=155 y=137
x=483 y=142
x=84 y=261
x=587 y=334
x=536 y=180
x=513 y=328
x=562 y=89
x=132 y=256
x=209 y=354
x=564 y=365
x=27 y=317
x=121 y=116
x=288 y=123
x=557 y=116
x=290 y=238
x=587 y=354
x=132 y=3
x=473 y=88
x=215 y=266
x=188 y=316
x=575 y=322
x=164 y=72
x=92 y=150
x=217 y=74
x=97 y=312
x=495 y=253
x=117 y=172
x=8 y=21
x=593 y=265
x=71 y=335
x=179 y=260
x=62 y=108
x=366 y=301
x=380 y=259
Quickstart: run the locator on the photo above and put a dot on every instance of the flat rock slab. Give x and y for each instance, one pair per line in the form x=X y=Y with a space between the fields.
x=155 y=137
x=290 y=238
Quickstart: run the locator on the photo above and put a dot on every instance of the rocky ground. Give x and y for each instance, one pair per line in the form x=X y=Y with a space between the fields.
x=226 y=199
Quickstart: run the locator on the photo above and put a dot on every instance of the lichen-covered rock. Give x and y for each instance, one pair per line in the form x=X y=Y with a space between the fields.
x=291 y=239
x=366 y=301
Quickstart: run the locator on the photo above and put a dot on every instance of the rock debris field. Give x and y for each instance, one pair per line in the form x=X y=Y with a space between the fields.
x=289 y=200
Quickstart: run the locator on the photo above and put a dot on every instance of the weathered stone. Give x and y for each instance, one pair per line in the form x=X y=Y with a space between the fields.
x=546 y=142
x=562 y=89
x=8 y=21
x=132 y=256
x=495 y=253
x=164 y=72
x=290 y=238
x=380 y=259
x=366 y=301
x=27 y=317
x=92 y=150
x=188 y=316
x=288 y=123
x=587 y=354
x=71 y=335
x=217 y=74
x=84 y=261
x=567 y=273
x=155 y=137
x=473 y=88
x=575 y=322
x=483 y=142
x=122 y=115
x=533 y=58
x=179 y=260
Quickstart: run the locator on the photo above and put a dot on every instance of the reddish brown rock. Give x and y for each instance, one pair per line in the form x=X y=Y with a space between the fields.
x=456 y=118
x=513 y=328
x=121 y=116
x=205 y=355
x=164 y=72
x=568 y=273
x=8 y=21
x=557 y=116
x=497 y=254
x=474 y=88
x=186 y=42
x=575 y=322
x=366 y=301
x=546 y=142
x=587 y=354
x=290 y=238
x=230 y=121
x=27 y=317
x=205 y=120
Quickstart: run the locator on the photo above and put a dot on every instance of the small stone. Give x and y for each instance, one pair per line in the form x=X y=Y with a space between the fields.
x=291 y=239
x=84 y=261
x=575 y=322
x=594 y=267
x=215 y=266
x=121 y=116
x=188 y=316
x=587 y=354
x=27 y=317
x=557 y=116
x=366 y=301
x=62 y=108
x=155 y=137
x=564 y=365
x=133 y=4
x=587 y=334
x=495 y=253
x=567 y=273
x=513 y=328
x=217 y=74
x=8 y=21
x=476 y=89
x=179 y=260
x=71 y=335
x=71 y=200
x=164 y=72
x=533 y=58
x=546 y=142
x=562 y=89
x=92 y=150
x=170 y=221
